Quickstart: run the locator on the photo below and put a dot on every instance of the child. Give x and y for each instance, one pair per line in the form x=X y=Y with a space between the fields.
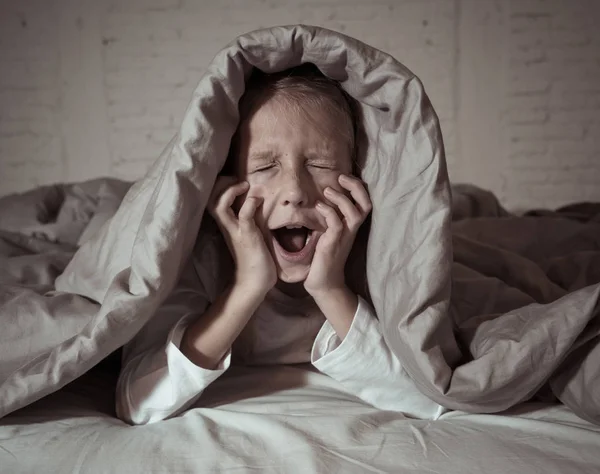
x=289 y=212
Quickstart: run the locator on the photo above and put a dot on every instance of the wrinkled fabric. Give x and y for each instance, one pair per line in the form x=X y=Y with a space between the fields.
x=468 y=339
x=287 y=419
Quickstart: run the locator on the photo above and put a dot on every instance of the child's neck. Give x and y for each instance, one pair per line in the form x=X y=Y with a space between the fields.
x=295 y=290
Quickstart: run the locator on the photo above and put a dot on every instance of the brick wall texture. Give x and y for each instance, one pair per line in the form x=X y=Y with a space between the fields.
x=94 y=88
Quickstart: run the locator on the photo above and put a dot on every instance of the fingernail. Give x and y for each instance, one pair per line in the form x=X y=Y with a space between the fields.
x=343 y=177
x=327 y=190
x=319 y=204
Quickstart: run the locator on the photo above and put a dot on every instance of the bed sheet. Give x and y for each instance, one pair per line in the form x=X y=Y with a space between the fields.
x=287 y=419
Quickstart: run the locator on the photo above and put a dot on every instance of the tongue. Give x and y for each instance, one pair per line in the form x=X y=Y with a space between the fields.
x=292 y=240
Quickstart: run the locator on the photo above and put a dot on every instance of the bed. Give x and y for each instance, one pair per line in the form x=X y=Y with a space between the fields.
x=288 y=419
x=283 y=419
x=493 y=315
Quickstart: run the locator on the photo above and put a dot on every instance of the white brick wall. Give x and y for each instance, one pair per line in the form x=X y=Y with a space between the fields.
x=552 y=113
x=98 y=87
x=31 y=149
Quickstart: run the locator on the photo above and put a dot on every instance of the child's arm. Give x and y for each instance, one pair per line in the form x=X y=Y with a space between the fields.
x=156 y=379
x=350 y=347
x=209 y=339
x=160 y=379
x=362 y=362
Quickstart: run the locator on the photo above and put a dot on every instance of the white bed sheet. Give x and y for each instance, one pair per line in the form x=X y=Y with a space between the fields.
x=287 y=419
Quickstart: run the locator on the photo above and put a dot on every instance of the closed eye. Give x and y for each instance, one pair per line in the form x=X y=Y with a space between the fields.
x=263 y=168
x=321 y=166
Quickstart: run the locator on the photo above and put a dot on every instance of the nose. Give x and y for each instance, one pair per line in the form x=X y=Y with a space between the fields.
x=294 y=190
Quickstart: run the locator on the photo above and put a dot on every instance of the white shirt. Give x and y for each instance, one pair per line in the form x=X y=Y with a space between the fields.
x=161 y=382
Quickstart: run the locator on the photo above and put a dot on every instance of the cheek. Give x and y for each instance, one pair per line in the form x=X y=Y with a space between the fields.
x=330 y=180
x=257 y=190
x=258 y=179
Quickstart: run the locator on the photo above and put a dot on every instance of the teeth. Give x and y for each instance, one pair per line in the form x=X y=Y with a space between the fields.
x=293 y=227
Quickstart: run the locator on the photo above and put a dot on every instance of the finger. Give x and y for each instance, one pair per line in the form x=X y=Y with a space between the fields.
x=229 y=195
x=247 y=213
x=358 y=192
x=332 y=220
x=221 y=184
x=222 y=210
x=352 y=215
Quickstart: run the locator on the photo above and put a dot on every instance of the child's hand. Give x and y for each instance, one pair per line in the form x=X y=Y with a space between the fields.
x=255 y=269
x=326 y=272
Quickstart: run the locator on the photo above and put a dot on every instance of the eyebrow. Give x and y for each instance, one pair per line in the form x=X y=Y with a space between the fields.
x=320 y=156
x=269 y=155
x=264 y=156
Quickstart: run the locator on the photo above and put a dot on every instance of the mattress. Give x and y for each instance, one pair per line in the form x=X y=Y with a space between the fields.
x=287 y=419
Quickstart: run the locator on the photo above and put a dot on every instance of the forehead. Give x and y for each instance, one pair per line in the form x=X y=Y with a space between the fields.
x=283 y=124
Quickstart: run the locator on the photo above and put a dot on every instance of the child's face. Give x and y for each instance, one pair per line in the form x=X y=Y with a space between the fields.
x=289 y=160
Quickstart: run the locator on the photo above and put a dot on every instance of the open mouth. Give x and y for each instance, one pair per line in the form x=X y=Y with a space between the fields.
x=292 y=239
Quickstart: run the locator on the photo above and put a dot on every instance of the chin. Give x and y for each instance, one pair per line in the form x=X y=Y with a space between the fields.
x=296 y=274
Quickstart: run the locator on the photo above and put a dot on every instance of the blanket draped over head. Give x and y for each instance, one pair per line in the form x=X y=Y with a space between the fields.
x=473 y=333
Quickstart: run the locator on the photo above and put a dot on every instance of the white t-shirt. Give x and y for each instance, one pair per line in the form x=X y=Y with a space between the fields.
x=158 y=381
